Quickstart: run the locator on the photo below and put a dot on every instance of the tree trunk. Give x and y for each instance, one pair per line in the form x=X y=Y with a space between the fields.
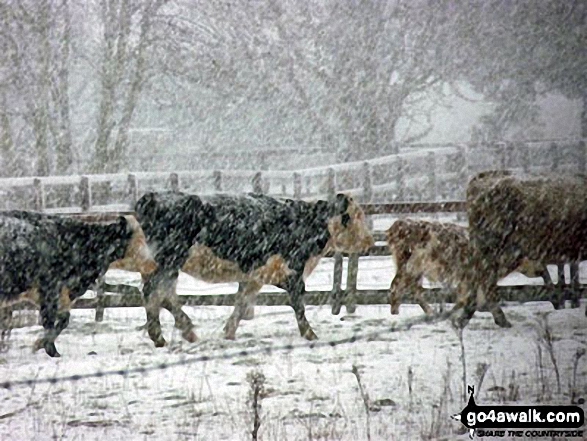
x=108 y=90
x=121 y=145
x=6 y=143
x=584 y=117
x=40 y=104
x=61 y=99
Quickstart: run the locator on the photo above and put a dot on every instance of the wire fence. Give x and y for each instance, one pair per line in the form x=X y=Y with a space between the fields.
x=243 y=353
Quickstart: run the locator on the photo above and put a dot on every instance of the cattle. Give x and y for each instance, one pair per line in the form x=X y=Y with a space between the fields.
x=252 y=239
x=50 y=261
x=516 y=218
x=433 y=250
x=439 y=252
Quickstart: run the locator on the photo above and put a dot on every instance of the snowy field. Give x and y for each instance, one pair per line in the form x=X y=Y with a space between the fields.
x=413 y=375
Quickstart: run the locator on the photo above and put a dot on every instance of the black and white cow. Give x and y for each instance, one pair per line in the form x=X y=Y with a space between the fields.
x=252 y=239
x=50 y=261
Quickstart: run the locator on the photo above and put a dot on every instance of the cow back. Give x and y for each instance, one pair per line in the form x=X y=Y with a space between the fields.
x=535 y=216
x=249 y=229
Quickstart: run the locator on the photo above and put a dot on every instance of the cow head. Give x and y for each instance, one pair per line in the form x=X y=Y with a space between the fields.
x=137 y=255
x=347 y=226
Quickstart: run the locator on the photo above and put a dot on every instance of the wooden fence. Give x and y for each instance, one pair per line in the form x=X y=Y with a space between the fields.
x=418 y=181
x=130 y=296
x=415 y=175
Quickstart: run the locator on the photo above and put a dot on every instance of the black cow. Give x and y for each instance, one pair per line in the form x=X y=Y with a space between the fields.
x=252 y=239
x=50 y=261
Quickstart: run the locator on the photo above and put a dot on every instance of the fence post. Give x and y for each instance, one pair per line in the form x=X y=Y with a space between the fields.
x=555 y=156
x=217 y=178
x=331 y=183
x=367 y=190
x=581 y=157
x=351 y=284
x=501 y=154
x=39 y=202
x=258 y=183
x=133 y=190
x=297 y=185
x=401 y=165
x=462 y=167
x=525 y=157
x=86 y=193
x=337 y=294
x=100 y=300
x=431 y=176
x=462 y=176
x=367 y=183
x=174 y=181
x=575 y=285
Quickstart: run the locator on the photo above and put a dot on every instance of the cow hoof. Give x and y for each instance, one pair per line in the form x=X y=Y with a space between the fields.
x=190 y=336
x=160 y=342
x=310 y=335
x=459 y=322
x=503 y=323
x=249 y=314
x=51 y=350
x=394 y=311
x=229 y=333
x=336 y=309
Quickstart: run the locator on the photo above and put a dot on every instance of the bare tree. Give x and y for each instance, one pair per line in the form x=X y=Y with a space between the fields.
x=122 y=76
x=35 y=39
x=351 y=69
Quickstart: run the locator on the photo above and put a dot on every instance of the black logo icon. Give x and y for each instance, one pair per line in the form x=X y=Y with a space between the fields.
x=475 y=417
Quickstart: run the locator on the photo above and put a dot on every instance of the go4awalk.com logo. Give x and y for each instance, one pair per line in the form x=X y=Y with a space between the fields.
x=521 y=421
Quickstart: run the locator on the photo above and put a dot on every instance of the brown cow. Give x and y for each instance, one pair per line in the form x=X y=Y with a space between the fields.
x=437 y=251
x=431 y=249
x=516 y=218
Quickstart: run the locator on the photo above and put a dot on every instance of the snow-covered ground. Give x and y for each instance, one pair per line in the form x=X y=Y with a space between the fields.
x=412 y=374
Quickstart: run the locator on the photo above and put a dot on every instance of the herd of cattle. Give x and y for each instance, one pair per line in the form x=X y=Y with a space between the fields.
x=516 y=222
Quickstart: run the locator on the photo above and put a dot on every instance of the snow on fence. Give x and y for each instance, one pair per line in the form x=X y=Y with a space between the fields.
x=423 y=174
x=420 y=180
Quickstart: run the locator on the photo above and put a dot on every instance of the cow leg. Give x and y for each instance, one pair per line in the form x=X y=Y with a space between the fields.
x=401 y=283
x=557 y=297
x=63 y=311
x=182 y=320
x=155 y=291
x=395 y=296
x=244 y=297
x=249 y=312
x=49 y=306
x=296 y=288
x=493 y=306
x=466 y=303
x=575 y=285
x=488 y=296
x=419 y=295
x=5 y=327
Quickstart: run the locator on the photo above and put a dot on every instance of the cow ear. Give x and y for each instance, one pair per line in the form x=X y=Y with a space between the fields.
x=341 y=203
x=146 y=205
x=124 y=225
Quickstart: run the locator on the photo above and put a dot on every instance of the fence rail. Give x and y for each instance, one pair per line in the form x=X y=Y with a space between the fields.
x=417 y=175
x=416 y=181
x=130 y=296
